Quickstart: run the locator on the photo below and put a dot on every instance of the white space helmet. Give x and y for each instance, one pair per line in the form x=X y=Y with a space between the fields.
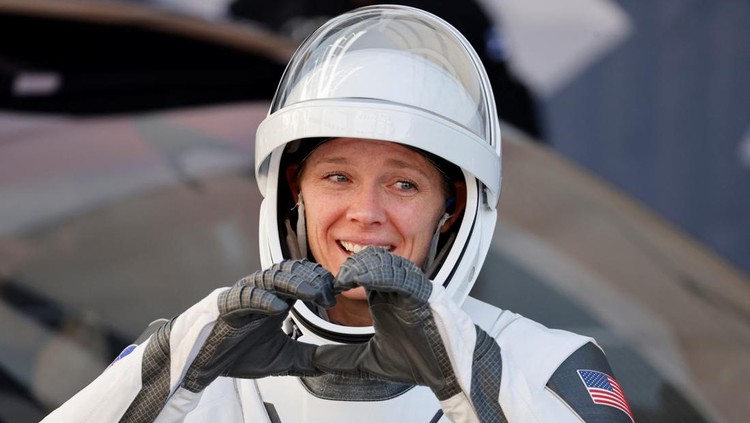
x=391 y=73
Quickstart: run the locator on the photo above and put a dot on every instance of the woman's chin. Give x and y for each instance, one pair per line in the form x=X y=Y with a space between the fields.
x=357 y=294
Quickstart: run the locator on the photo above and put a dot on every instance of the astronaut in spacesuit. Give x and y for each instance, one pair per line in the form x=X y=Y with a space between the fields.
x=380 y=167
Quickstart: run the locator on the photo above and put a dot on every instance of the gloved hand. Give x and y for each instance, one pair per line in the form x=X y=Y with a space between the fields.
x=421 y=337
x=246 y=339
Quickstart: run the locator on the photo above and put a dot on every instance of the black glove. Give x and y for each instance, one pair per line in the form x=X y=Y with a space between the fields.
x=406 y=347
x=246 y=340
x=421 y=337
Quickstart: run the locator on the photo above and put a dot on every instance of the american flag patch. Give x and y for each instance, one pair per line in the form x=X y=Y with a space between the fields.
x=605 y=390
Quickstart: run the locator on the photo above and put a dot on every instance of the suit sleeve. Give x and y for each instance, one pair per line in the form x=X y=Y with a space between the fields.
x=586 y=383
x=549 y=374
x=142 y=384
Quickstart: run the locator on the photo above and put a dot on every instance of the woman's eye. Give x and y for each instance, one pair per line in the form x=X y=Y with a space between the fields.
x=337 y=177
x=405 y=186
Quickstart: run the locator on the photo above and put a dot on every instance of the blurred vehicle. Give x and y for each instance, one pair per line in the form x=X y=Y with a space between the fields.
x=127 y=194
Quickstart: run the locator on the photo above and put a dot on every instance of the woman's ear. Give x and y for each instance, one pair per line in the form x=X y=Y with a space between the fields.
x=459 y=188
x=291 y=180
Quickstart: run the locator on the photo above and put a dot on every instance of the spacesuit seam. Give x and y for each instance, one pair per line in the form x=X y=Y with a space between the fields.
x=496 y=332
x=235 y=385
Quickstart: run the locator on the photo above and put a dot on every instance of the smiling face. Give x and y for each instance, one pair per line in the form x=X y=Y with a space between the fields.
x=361 y=192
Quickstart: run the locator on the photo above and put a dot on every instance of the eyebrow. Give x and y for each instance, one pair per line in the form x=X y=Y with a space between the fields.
x=390 y=162
x=331 y=160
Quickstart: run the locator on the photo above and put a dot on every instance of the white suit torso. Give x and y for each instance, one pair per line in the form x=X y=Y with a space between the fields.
x=530 y=353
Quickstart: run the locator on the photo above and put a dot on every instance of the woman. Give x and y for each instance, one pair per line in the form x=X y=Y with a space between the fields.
x=379 y=163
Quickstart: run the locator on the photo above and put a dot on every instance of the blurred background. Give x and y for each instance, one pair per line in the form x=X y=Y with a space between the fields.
x=127 y=191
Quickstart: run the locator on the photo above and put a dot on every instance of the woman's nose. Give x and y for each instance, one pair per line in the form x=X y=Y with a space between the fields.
x=367 y=207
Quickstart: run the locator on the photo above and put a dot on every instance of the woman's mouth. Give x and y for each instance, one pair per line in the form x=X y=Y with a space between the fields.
x=353 y=248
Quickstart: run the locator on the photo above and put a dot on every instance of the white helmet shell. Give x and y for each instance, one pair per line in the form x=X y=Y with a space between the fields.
x=390 y=73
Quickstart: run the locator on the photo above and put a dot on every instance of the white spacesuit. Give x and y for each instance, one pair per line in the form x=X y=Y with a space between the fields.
x=265 y=349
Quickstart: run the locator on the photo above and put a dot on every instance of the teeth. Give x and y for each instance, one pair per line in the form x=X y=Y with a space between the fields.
x=355 y=248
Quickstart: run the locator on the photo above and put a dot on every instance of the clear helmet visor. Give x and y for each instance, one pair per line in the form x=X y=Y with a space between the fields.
x=387 y=55
x=390 y=73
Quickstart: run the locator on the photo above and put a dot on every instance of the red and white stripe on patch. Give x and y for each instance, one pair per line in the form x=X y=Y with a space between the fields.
x=605 y=390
